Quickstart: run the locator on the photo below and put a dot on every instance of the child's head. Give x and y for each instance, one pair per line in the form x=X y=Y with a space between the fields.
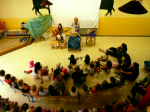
x=125 y=102
x=108 y=108
x=85 y=88
x=73 y=89
x=119 y=60
x=25 y=106
x=31 y=64
x=97 y=64
x=38 y=66
x=112 y=79
x=109 y=64
x=77 y=68
x=87 y=57
x=98 y=109
x=29 y=110
x=85 y=110
x=56 y=73
x=122 y=78
x=38 y=109
x=69 y=66
x=64 y=70
x=105 y=84
x=12 y=79
x=7 y=107
x=40 y=88
x=60 y=109
x=33 y=88
x=98 y=87
x=58 y=65
x=7 y=76
x=20 y=82
x=2 y=73
x=16 y=109
x=45 y=72
x=118 y=106
x=135 y=65
x=91 y=65
x=72 y=57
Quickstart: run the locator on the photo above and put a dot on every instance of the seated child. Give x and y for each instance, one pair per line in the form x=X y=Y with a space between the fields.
x=34 y=90
x=133 y=105
x=74 y=91
x=24 y=107
x=63 y=91
x=112 y=82
x=104 y=84
x=118 y=107
x=107 y=67
x=84 y=91
x=116 y=64
x=52 y=91
x=2 y=75
x=60 y=109
x=14 y=82
x=43 y=91
x=38 y=109
x=87 y=59
x=125 y=103
x=97 y=66
x=58 y=67
x=72 y=59
x=70 y=70
x=31 y=66
x=17 y=109
x=10 y=106
x=46 y=76
x=103 y=57
x=122 y=81
x=91 y=70
x=64 y=73
x=7 y=78
x=25 y=88
x=96 y=88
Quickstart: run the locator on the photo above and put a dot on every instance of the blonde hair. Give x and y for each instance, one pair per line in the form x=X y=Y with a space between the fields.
x=29 y=110
x=20 y=82
x=75 y=18
x=33 y=88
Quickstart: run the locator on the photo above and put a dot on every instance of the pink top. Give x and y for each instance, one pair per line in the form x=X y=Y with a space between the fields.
x=35 y=93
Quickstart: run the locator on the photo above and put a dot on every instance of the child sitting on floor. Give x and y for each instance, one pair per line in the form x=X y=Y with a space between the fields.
x=112 y=82
x=107 y=67
x=97 y=66
x=116 y=64
x=70 y=70
x=2 y=75
x=31 y=66
x=87 y=59
x=105 y=84
x=84 y=91
x=7 y=78
x=25 y=88
x=24 y=107
x=58 y=67
x=91 y=70
x=14 y=82
x=34 y=90
x=43 y=91
x=96 y=88
x=72 y=59
x=74 y=91
x=46 y=75
x=103 y=57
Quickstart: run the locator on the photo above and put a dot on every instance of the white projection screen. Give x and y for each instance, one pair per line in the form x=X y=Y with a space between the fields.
x=64 y=11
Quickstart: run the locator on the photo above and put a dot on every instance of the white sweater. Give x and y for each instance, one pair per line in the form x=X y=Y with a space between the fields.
x=35 y=75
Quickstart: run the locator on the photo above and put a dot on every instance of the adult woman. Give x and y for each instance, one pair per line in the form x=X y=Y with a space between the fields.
x=37 y=71
x=57 y=79
x=130 y=73
x=116 y=52
x=76 y=24
x=59 y=32
x=78 y=76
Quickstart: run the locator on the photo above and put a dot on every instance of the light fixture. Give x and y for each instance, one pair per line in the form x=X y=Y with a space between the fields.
x=133 y=7
x=46 y=3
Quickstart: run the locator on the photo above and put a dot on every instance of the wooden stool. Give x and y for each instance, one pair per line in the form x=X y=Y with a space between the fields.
x=53 y=43
x=92 y=39
x=64 y=43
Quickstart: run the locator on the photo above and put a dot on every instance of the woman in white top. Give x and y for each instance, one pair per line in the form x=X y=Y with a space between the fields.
x=76 y=24
x=74 y=91
x=37 y=71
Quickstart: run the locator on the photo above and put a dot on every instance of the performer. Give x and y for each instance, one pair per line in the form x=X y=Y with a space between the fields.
x=76 y=24
x=58 y=32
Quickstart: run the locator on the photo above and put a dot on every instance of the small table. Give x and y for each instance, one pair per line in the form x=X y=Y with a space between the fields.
x=54 y=43
x=64 y=43
x=1 y=31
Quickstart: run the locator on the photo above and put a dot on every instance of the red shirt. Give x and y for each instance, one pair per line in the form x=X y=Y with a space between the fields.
x=8 y=82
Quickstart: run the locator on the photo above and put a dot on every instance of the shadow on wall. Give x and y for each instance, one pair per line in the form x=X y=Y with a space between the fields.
x=107 y=5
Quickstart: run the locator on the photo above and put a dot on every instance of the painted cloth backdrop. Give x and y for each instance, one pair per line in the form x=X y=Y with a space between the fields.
x=64 y=11
x=38 y=26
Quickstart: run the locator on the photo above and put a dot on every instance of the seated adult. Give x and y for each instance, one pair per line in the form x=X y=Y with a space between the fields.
x=116 y=52
x=126 y=63
x=78 y=76
x=112 y=82
x=58 y=32
x=142 y=89
x=130 y=73
x=57 y=79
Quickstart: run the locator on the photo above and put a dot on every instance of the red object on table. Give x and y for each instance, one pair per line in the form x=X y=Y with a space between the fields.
x=2 y=26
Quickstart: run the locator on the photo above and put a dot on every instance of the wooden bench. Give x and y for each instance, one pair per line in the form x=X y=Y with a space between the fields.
x=16 y=32
x=104 y=91
x=65 y=97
